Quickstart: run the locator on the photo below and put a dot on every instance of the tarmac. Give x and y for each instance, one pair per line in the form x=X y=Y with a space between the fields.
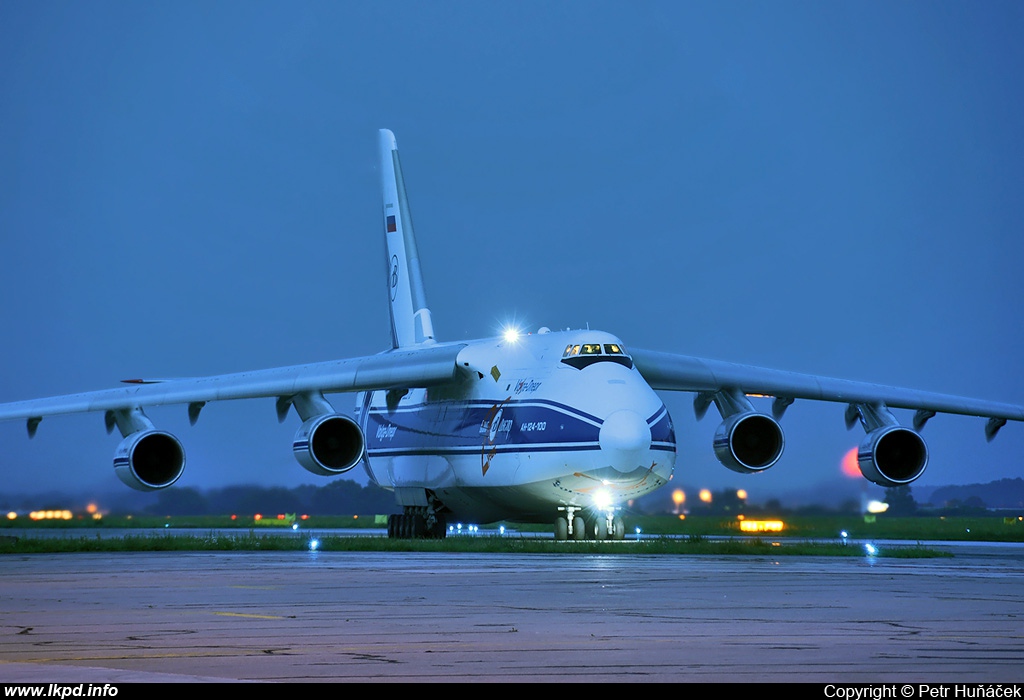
x=463 y=618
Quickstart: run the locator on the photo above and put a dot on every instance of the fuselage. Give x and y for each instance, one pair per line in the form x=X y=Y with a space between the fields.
x=547 y=420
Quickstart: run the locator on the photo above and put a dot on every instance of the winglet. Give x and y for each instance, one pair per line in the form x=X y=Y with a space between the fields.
x=410 y=318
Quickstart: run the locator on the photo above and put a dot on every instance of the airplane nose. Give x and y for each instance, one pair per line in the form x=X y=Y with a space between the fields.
x=625 y=439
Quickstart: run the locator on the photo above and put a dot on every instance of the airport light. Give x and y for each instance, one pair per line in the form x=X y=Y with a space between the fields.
x=49 y=515
x=877 y=507
x=849 y=466
x=705 y=495
x=314 y=544
x=678 y=498
x=761 y=526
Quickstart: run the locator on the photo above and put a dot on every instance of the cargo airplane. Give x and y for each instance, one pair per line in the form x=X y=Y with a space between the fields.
x=559 y=427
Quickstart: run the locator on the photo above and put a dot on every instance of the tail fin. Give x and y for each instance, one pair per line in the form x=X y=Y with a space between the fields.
x=410 y=317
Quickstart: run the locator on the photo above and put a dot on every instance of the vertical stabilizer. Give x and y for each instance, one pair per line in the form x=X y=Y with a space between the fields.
x=410 y=317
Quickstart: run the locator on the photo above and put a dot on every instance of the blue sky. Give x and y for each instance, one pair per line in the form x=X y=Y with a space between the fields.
x=191 y=188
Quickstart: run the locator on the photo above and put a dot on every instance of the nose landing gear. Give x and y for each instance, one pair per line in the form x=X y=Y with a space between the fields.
x=576 y=524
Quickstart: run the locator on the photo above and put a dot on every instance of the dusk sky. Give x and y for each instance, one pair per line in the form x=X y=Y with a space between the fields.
x=191 y=188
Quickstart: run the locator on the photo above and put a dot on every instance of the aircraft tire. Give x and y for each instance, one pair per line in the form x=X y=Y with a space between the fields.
x=561 y=529
x=618 y=528
x=601 y=529
x=440 y=529
x=418 y=527
x=579 y=529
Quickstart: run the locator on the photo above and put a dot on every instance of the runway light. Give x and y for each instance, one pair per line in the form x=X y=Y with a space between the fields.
x=314 y=544
x=877 y=507
x=870 y=549
x=12 y=515
x=295 y=526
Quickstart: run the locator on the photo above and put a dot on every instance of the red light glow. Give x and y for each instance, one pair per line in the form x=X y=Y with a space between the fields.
x=849 y=464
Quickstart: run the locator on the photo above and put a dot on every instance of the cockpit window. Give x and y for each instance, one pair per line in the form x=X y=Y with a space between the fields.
x=586 y=354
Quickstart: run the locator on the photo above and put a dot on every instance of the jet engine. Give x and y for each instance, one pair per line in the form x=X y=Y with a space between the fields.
x=749 y=442
x=892 y=456
x=329 y=444
x=149 y=460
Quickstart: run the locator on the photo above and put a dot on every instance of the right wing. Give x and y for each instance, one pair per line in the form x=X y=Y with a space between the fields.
x=327 y=443
x=396 y=369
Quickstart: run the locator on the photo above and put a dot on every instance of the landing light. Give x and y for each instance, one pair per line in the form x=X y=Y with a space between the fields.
x=511 y=334
x=602 y=499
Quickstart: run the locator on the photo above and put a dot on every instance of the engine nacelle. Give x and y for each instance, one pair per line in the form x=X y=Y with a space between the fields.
x=892 y=456
x=149 y=460
x=329 y=445
x=749 y=442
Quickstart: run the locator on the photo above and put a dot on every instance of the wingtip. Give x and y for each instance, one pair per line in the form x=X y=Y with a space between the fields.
x=387 y=139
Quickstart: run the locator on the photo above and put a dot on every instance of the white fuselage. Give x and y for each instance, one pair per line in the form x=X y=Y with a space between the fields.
x=523 y=433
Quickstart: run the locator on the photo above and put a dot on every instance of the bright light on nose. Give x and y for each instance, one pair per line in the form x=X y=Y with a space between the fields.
x=602 y=499
x=511 y=334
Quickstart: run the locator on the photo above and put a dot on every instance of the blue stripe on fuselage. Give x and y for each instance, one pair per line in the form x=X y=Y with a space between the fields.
x=462 y=427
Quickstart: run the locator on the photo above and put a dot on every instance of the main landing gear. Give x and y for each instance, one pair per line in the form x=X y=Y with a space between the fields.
x=417 y=523
x=575 y=524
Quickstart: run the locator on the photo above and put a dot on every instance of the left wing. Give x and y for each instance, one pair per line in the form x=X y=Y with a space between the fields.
x=327 y=443
x=748 y=441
